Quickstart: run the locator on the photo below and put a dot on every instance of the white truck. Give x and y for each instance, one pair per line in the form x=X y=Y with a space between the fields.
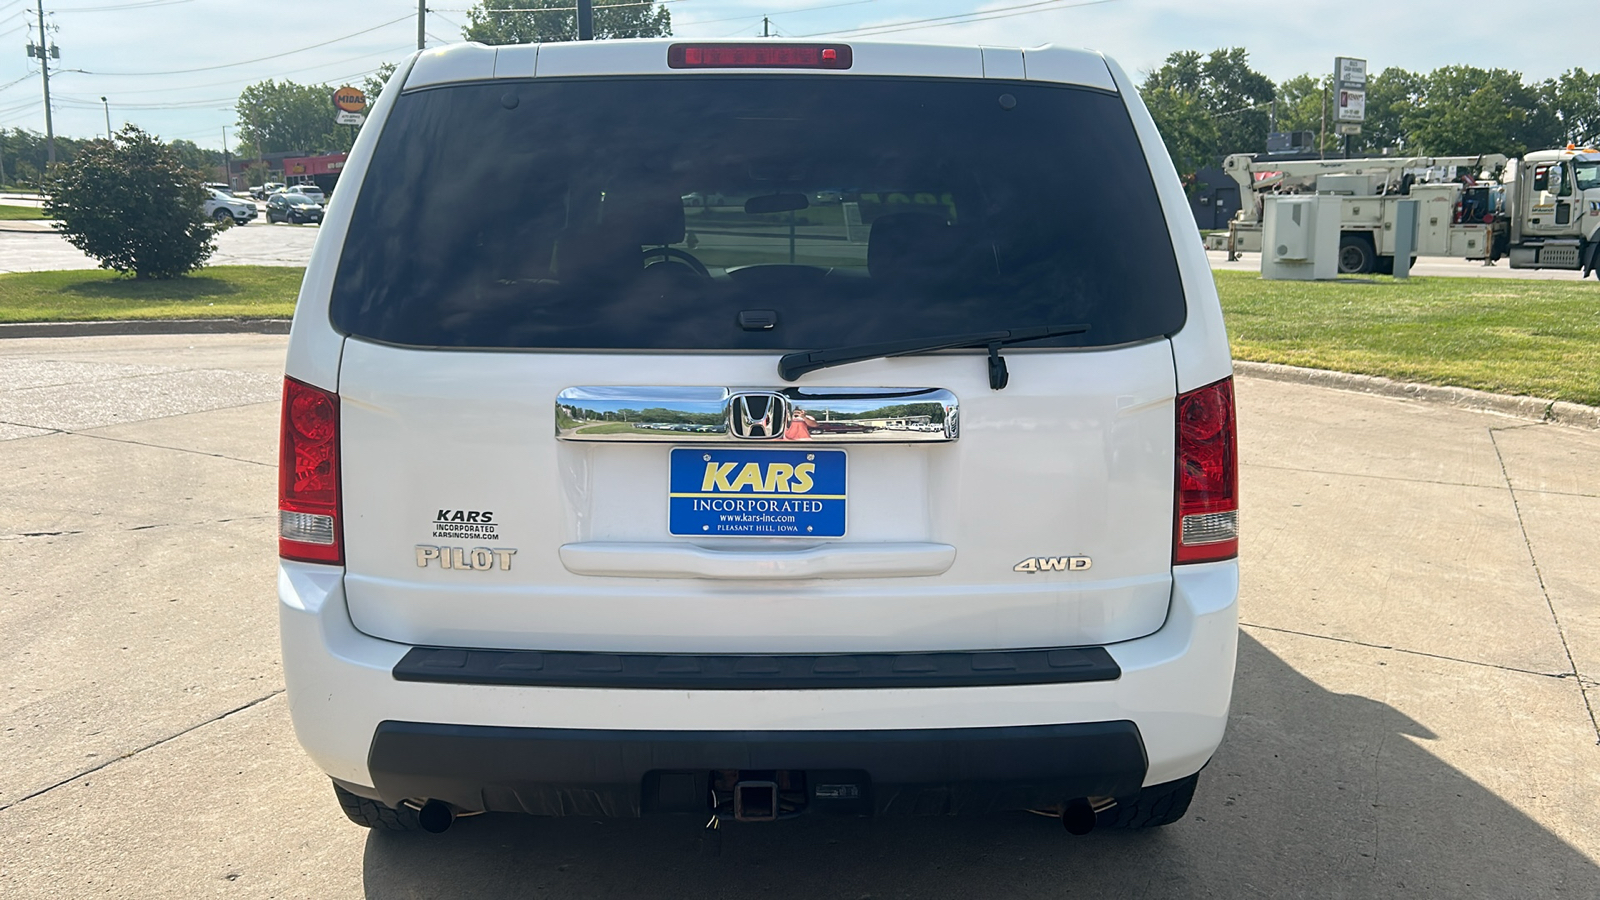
x=1542 y=211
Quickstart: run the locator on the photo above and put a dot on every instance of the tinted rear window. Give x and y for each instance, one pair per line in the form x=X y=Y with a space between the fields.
x=649 y=213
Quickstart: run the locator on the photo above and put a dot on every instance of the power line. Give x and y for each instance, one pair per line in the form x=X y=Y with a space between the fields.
x=245 y=62
x=146 y=4
x=1003 y=12
x=781 y=12
x=401 y=50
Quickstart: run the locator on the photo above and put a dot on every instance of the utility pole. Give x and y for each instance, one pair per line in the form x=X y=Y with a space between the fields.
x=766 y=27
x=227 y=161
x=1322 y=139
x=422 y=24
x=43 y=52
x=585 y=20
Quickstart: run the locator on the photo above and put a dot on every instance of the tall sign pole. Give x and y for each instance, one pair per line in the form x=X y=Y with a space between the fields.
x=1350 y=89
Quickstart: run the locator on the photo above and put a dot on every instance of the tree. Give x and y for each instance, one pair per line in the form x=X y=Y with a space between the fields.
x=1392 y=96
x=1188 y=132
x=283 y=117
x=1574 y=100
x=1465 y=111
x=373 y=84
x=1299 y=106
x=25 y=155
x=195 y=157
x=1225 y=89
x=620 y=20
x=131 y=203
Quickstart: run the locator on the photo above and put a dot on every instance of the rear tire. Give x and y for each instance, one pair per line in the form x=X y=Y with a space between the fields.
x=375 y=815
x=1157 y=805
x=1356 y=254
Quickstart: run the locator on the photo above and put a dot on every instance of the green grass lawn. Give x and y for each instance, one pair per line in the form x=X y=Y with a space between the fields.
x=220 y=291
x=10 y=212
x=1536 y=338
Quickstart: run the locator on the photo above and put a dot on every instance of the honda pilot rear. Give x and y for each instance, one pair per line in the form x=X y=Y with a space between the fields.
x=759 y=430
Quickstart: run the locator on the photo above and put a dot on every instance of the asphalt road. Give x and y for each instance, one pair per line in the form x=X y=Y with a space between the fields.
x=1420 y=597
x=30 y=246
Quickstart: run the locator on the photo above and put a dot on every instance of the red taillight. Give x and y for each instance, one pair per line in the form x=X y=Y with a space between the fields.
x=308 y=475
x=758 y=56
x=1207 y=526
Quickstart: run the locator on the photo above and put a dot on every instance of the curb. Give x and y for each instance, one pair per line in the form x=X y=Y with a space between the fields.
x=29 y=226
x=1558 y=412
x=144 y=326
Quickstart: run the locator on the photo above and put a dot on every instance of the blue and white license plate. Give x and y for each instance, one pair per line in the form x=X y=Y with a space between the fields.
x=757 y=493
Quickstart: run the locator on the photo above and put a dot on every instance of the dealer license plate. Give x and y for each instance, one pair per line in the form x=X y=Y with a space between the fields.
x=757 y=493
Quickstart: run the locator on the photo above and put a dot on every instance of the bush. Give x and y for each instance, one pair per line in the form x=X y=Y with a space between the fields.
x=132 y=204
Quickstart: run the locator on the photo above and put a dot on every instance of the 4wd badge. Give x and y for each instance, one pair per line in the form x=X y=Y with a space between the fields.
x=1053 y=564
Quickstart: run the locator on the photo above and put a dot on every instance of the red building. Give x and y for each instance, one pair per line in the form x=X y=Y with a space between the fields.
x=324 y=170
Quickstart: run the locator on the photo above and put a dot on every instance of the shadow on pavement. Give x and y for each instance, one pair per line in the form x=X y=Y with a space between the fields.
x=1313 y=794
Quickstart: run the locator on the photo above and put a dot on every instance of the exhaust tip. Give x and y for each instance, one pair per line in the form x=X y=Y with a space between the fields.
x=1078 y=816
x=435 y=816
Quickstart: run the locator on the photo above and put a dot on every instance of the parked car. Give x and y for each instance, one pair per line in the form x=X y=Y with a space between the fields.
x=294 y=208
x=308 y=190
x=263 y=191
x=496 y=596
x=223 y=207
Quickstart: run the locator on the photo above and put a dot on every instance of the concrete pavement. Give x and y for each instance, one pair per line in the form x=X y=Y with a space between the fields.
x=1421 y=626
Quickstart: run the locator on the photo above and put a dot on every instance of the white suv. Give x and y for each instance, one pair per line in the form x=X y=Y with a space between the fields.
x=227 y=208
x=755 y=430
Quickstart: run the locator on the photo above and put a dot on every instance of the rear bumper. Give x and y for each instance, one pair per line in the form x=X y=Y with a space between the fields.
x=553 y=771
x=370 y=731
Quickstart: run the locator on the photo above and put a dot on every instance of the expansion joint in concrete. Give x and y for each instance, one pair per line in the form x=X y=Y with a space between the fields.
x=1393 y=649
x=1544 y=590
x=135 y=752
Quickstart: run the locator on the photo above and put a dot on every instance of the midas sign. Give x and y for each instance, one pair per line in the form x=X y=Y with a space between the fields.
x=350 y=99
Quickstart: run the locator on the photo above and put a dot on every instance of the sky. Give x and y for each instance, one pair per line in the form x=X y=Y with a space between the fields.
x=175 y=67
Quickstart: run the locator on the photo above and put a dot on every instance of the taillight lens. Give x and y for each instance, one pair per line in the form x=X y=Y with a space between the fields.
x=308 y=475
x=1207 y=526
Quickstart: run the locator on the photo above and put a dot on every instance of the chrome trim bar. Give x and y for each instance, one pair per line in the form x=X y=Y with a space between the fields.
x=754 y=415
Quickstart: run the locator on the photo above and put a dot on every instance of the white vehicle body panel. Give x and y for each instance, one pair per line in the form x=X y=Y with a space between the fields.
x=1176 y=686
x=1077 y=451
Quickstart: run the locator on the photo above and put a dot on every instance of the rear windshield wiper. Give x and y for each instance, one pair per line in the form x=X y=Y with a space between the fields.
x=793 y=365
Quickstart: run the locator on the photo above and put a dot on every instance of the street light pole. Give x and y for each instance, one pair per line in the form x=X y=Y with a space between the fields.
x=107 y=105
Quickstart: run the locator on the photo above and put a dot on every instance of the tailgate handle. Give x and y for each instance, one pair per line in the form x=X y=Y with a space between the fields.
x=683 y=560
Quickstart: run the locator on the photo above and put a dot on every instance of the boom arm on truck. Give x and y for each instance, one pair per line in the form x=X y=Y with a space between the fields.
x=1257 y=178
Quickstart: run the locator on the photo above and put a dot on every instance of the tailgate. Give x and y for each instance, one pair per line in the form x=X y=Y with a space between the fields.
x=457 y=451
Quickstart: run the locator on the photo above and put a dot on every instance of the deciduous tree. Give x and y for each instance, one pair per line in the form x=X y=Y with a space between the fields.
x=554 y=20
x=282 y=116
x=1223 y=88
x=1574 y=100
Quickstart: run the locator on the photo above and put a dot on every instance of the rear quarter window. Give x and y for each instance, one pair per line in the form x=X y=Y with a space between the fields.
x=648 y=213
